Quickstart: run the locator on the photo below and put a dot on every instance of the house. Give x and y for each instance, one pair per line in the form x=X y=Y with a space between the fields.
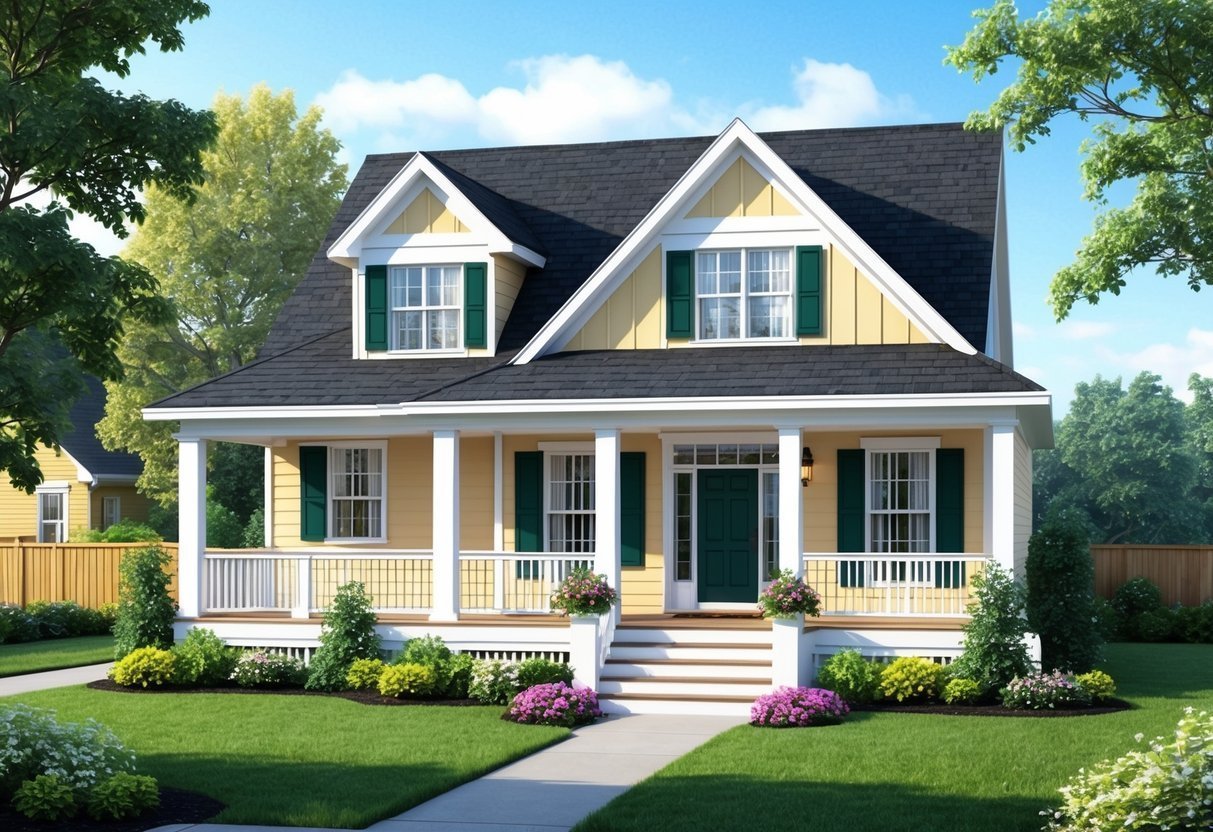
x=84 y=486
x=685 y=362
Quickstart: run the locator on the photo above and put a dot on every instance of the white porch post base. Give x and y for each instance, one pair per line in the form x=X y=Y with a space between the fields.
x=446 y=526
x=584 y=650
x=191 y=526
x=302 y=607
x=787 y=668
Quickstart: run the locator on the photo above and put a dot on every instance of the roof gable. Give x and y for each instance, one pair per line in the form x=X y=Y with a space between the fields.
x=82 y=444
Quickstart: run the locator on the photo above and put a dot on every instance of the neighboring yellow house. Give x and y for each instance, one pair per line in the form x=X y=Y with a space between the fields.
x=84 y=486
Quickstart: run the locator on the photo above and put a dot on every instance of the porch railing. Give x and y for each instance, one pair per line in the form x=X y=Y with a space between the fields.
x=513 y=582
x=874 y=584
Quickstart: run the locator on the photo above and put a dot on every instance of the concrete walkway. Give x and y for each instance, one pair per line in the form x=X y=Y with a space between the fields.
x=11 y=685
x=552 y=789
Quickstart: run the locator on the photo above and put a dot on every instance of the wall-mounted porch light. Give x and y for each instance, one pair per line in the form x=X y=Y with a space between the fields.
x=806 y=467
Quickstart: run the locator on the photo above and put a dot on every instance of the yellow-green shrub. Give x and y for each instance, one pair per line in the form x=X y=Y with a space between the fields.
x=147 y=666
x=961 y=692
x=401 y=680
x=1097 y=684
x=911 y=678
x=364 y=673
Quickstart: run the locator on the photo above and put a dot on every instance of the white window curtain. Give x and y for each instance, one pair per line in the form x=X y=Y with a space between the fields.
x=900 y=501
x=570 y=509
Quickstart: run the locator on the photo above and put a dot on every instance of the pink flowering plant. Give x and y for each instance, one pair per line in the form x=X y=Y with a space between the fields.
x=554 y=704
x=1041 y=691
x=584 y=593
x=798 y=708
x=786 y=596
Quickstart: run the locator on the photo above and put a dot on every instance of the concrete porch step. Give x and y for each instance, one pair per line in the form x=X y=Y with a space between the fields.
x=621 y=703
x=688 y=686
x=677 y=635
x=646 y=652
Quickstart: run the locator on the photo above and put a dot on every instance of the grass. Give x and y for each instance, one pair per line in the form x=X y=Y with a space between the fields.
x=883 y=771
x=55 y=654
x=302 y=760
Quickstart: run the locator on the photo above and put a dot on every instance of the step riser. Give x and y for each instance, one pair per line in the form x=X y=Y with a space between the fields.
x=642 y=687
x=632 y=670
x=624 y=635
x=662 y=706
x=642 y=654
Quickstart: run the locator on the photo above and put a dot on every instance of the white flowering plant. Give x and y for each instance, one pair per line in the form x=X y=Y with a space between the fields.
x=1166 y=786
x=79 y=754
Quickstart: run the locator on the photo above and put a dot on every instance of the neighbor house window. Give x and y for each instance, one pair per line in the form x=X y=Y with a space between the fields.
x=425 y=307
x=744 y=293
x=111 y=511
x=570 y=502
x=356 y=493
x=52 y=515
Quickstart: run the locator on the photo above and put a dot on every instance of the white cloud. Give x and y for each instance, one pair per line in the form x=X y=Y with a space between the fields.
x=355 y=102
x=1174 y=362
x=831 y=95
x=1085 y=330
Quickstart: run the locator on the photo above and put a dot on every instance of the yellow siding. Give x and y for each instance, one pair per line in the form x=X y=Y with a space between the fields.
x=643 y=588
x=134 y=506
x=632 y=318
x=426 y=215
x=742 y=191
x=19 y=511
x=507 y=277
x=476 y=493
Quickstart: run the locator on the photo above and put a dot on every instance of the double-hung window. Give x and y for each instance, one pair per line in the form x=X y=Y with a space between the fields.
x=570 y=503
x=52 y=514
x=744 y=293
x=899 y=511
x=356 y=493
x=111 y=511
x=425 y=307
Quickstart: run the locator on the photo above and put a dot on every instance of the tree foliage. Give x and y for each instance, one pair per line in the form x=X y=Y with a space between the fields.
x=1143 y=70
x=1060 y=601
x=227 y=259
x=90 y=150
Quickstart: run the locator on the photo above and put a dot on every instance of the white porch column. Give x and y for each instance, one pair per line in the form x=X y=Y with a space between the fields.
x=267 y=511
x=606 y=507
x=791 y=502
x=446 y=526
x=1000 y=511
x=191 y=525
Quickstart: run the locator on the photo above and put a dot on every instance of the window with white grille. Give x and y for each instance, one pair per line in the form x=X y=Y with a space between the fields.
x=570 y=502
x=425 y=307
x=52 y=515
x=357 y=493
x=744 y=294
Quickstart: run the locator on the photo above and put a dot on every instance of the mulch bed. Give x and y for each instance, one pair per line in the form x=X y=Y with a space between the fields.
x=1111 y=706
x=363 y=697
x=176 y=806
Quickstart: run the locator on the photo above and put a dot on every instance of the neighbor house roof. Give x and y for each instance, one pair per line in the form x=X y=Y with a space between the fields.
x=82 y=442
x=923 y=196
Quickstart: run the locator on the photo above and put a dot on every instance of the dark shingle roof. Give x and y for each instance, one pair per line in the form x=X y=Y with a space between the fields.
x=923 y=196
x=321 y=372
x=82 y=442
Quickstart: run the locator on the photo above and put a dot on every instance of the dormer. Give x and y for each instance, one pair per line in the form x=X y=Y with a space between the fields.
x=436 y=262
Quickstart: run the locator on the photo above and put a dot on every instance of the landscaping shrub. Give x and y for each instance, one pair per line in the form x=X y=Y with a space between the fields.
x=124 y=531
x=145 y=609
x=994 y=648
x=80 y=754
x=1164 y=787
x=1134 y=599
x=144 y=667
x=203 y=659
x=1039 y=691
x=798 y=708
x=1195 y=624
x=123 y=796
x=494 y=681
x=459 y=678
x=851 y=676
x=540 y=671
x=911 y=679
x=16 y=625
x=962 y=692
x=348 y=633
x=554 y=704
x=263 y=669
x=407 y=681
x=223 y=528
x=364 y=674
x=1159 y=625
x=1098 y=685
x=1107 y=620
x=787 y=596
x=46 y=797
x=584 y=593
x=1061 y=592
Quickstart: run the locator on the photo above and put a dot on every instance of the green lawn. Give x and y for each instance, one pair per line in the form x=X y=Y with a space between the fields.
x=302 y=760
x=54 y=654
x=882 y=771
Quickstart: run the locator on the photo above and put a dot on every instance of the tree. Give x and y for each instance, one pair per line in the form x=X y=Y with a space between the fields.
x=1144 y=70
x=227 y=260
x=1060 y=601
x=63 y=306
x=1200 y=433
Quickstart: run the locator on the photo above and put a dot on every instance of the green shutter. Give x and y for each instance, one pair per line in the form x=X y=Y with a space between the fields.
x=808 y=290
x=680 y=294
x=949 y=514
x=850 y=515
x=313 y=491
x=528 y=507
x=376 y=307
x=631 y=508
x=475 y=305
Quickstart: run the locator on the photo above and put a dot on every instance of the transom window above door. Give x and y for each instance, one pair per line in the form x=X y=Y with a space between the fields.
x=425 y=307
x=744 y=293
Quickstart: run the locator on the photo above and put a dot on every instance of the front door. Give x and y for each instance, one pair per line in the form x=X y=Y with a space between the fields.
x=728 y=536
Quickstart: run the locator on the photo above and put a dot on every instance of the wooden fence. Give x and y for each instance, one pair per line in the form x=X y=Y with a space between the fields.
x=86 y=573
x=1183 y=573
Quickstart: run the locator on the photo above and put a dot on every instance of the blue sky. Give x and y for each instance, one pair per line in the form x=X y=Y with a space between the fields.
x=405 y=75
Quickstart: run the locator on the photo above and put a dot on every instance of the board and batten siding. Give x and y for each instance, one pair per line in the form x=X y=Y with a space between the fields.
x=426 y=215
x=742 y=191
x=1023 y=502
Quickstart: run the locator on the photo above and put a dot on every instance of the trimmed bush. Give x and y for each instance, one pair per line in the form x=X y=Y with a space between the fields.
x=16 y=625
x=348 y=633
x=124 y=531
x=994 y=647
x=1098 y=685
x=851 y=676
x=203 y=659
x=459 y=678
x=494 y=681
x=798 y=708
x=1156 y=626
x=263 y=669
x=1165 y=786
x=962 y=692
x=1195 y=624
x=1135 y=596
x=145 y=667
x=364 y=674
x=46 y=797
x=408 y=681
x=911 y=679
x=145 y=609
x=123 y=796
x=1040 y=691
x=1061 y=593
x=554 y=704
x=33 y=742
x=540 y=671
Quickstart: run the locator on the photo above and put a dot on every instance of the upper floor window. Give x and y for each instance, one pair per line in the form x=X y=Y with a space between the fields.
x=744 y=293
x=425 y=307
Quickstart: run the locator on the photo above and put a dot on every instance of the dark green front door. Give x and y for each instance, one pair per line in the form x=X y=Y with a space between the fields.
x=728 y=535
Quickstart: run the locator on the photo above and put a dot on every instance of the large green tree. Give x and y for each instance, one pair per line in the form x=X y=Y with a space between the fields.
x=63 y=135
x=1142 y=72
x=227 y=260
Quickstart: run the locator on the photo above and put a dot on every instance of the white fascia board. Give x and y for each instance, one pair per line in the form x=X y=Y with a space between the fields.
x=115 y=479
x=82 y=473
x=347 y=249
x=999 y=332
x=739 y=136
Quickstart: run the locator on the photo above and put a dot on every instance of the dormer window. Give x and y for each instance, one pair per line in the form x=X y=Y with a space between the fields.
x=425 y=307
x=744 y=293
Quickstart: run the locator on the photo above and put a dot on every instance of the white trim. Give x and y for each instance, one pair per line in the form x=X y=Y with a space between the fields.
x=498 y=493
x=56 y=488
x=267 y=510
x=899 y=443
x=191 y=546
x=355 y=444
x=739 y=140
x=567 y=447
x=445 y=525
